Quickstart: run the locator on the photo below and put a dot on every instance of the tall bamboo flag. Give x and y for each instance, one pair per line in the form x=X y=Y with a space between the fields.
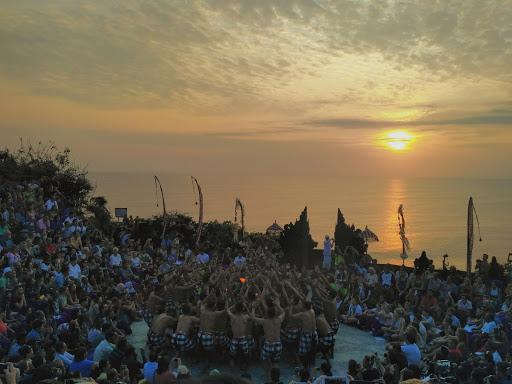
x=195 y=185
x=401 y=231
x=471 y=211
x=239 y=205
x=164 y=215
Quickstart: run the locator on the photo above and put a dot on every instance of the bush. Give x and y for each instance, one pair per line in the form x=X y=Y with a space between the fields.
x=48 y=166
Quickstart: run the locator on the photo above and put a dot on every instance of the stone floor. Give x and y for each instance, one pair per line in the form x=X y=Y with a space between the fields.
x=351 y=343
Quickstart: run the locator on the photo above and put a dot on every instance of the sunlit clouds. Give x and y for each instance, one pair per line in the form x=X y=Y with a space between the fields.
x=237 y=85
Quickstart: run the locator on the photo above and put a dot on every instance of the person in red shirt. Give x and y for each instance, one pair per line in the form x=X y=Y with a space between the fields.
x=49 y=247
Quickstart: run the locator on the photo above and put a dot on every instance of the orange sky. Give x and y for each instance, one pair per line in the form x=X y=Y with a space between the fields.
x=281 y=87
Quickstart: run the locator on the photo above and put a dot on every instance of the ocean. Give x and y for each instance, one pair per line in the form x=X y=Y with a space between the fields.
x=435 y=209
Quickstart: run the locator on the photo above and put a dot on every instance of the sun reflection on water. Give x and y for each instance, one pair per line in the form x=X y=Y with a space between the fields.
x=391 y=244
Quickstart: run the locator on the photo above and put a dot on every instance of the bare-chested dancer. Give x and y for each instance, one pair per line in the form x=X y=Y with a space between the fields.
x=291 y=326
x=308 y=338
x=221 y=327
x=325 y=334
x=241 y=341
x=272 y=347
x=154 y=305
x=207 y=335
x=162 y=326
x=182 y=338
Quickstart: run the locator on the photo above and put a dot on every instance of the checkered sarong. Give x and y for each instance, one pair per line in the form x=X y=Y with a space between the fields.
x=182 y=342
x=271 y=351
x=239 y=345
x=156 y=339
x=206 y=339
x=290 y=335
x=306 y=342
x=326 y=341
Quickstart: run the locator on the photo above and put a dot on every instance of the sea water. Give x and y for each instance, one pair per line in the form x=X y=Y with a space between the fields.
x=435 y=209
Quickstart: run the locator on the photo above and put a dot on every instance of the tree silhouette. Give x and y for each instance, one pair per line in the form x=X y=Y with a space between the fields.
x=348 y=236
x=102 y=218
x=297 y=242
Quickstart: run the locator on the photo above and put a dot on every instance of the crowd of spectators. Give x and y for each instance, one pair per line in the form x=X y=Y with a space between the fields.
x=70 y=294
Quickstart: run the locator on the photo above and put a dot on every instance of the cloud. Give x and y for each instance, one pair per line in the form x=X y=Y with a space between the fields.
x=203 y=54
x=351 y=123
x=496 y=117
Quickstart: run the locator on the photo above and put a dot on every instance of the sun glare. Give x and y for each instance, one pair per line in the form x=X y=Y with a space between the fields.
x=398 y=140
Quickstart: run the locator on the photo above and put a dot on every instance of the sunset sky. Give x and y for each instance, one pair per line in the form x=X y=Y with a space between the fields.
x=258 y=86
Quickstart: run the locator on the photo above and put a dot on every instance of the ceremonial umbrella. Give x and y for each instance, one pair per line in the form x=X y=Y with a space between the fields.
x=369 y=235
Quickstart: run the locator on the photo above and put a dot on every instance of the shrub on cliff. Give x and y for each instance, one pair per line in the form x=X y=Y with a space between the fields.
x=48 y=166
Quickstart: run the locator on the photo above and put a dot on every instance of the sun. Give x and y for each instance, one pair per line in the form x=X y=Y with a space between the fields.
x=398 y=140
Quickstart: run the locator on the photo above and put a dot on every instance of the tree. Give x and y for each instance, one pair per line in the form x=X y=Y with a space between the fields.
x=178 y=226
x=54 y=171
x=348 y=237
x=297 y=242
x=217 y=235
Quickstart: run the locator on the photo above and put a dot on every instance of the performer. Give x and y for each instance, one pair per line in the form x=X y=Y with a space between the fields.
x=182 y=340
x=241 y=342
x=328 y=245
x=272 y=347
x=208 y=335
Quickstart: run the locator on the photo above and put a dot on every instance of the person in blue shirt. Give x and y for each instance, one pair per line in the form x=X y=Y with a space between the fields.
x=489 y=324
x=81 y=364
x=35 y=333
x=105 y=347
x=14 y=348
x=452 y=319
x=58 y=277
x=95 y=334
x=62 y=354
x=150 y=367
x=411 y=351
